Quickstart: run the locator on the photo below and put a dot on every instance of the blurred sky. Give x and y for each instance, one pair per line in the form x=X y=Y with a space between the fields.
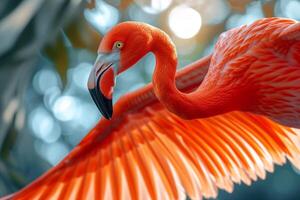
x=58 y=118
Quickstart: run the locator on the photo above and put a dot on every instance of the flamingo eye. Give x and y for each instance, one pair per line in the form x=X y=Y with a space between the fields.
x=118 y=45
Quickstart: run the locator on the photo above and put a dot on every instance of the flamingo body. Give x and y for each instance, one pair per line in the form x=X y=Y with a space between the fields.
x=148 y=150
x=263 y=66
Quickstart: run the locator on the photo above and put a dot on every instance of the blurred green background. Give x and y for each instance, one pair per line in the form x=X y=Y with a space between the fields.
x=47 y=49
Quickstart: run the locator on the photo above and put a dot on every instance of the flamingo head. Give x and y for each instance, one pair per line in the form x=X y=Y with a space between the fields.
x=120 y=48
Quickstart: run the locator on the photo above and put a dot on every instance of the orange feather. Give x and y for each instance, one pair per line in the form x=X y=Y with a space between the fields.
x=145 y=151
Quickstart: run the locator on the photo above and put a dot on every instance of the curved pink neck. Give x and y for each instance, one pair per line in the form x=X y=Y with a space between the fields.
x=198 y=104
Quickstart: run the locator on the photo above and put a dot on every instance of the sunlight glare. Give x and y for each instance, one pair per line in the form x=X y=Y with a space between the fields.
x=185 y=22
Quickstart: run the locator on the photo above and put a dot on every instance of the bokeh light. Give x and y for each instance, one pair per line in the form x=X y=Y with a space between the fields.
x=53 y=152
x=45 y=79
x=135 y=13
x=154 y=6
x=253 y=12
x=214 y=12
x=291 y=9
x=65 y=108
x=58 y=115
x=80 y=74
x=185 y=21
x=44 y=125
x=103 y=17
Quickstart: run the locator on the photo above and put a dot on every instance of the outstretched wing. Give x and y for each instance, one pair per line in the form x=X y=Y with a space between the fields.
x=149 y=153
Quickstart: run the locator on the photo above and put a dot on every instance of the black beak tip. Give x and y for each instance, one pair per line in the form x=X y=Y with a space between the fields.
x=104 y=104
x=106 y=112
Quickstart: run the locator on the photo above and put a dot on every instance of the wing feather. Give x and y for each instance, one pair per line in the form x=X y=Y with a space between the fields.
x=160 y=163
x=147 y=152
x=130 y=175
x=160 y=155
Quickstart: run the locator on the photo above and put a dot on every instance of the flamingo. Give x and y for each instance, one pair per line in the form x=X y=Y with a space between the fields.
x=226 y=118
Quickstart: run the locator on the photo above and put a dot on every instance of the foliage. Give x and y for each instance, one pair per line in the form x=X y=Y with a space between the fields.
x=25 y=28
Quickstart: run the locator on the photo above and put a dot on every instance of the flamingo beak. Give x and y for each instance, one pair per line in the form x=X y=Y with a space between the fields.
x=98 y=84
